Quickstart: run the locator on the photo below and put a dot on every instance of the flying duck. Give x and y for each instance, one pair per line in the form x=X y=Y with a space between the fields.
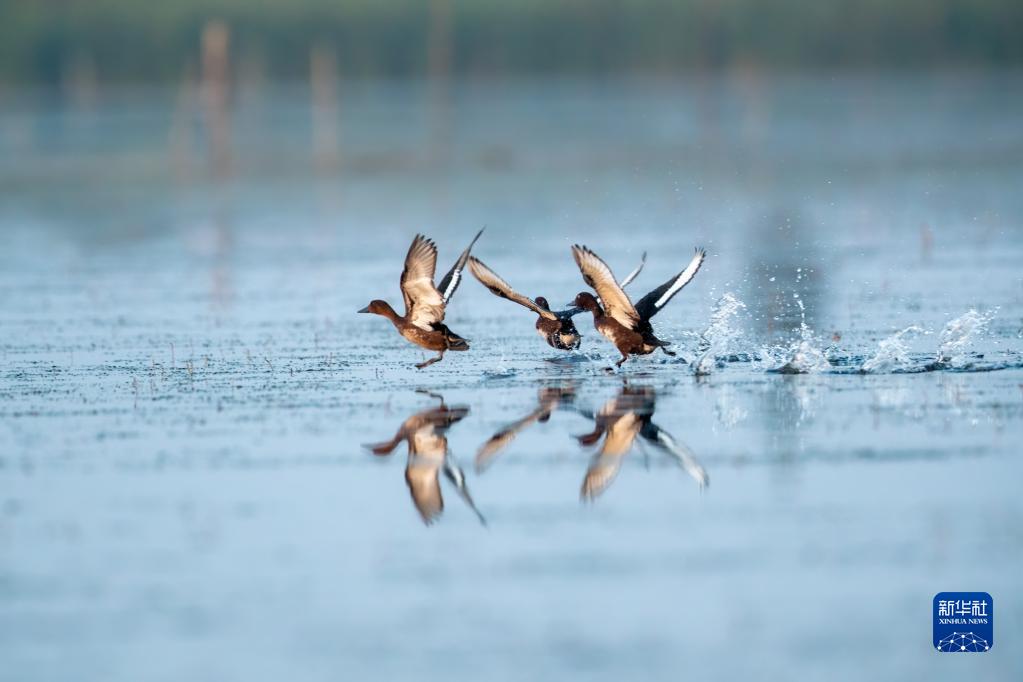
x=627 y=326
x=423 y=322
x=556 y=327
x=425 y=432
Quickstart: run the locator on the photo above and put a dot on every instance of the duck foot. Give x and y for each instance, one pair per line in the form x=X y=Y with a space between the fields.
x=430 y=361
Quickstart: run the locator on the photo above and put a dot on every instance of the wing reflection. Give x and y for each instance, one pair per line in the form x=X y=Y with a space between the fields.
x=549 y=399
x=617 y=426
x=618 y=423
x=425 y=433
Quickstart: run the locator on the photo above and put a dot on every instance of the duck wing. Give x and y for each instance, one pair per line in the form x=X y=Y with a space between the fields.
x=650 y=304
x=450 y=283
x=423 y=478
x=500 y=440
x=572 y=312
x=427 y=450
x=499 y=287
x=454 y=473
x=608 y=461
x=621 y=434
x=635 y=273
x=679 y=451
x=599 y=277
x=424 y=305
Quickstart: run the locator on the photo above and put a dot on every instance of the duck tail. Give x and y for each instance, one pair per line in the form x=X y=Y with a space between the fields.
x=457 y=343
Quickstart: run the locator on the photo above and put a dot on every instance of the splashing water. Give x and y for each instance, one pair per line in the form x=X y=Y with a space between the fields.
x=722 y=336
x=891 y=354
x=959 y=335
x=804 y=355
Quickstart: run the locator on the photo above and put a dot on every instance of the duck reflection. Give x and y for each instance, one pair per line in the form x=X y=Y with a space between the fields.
x=425 y=432
x=618 y=423
x=549 y=399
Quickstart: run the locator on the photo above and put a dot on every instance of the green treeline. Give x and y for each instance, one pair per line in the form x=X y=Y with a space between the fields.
x=126 y=40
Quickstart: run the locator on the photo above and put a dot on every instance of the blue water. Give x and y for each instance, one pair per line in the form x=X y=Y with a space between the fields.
x=186 y=390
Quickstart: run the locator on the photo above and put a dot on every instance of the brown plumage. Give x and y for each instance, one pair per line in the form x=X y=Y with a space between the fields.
x=549 y=399
x=556 y=327
x=425 y=432
x=425 y=303
x=619 y=422
x=627 y=326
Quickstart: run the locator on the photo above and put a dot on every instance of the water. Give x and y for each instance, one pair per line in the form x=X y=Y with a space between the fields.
x=186 y=394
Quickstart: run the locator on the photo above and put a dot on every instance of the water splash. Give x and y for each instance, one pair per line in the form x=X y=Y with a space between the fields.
x=959 y=335
x=891 y=355
x=804 y=354
x=722 y=336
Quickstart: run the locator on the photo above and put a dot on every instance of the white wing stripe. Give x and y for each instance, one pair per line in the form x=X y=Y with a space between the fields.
x=456 y=277
x=632 y=275
x=683 y=279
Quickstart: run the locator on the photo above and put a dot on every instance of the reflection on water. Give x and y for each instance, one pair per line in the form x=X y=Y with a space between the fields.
x=427 y=455
x=154 y=429
x=550 y=399
x=619 y=422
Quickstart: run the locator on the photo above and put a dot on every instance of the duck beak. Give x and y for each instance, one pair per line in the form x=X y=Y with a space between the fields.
x=364 y=310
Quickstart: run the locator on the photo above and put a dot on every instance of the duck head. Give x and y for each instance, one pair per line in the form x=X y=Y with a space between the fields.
x=542 y=302
x=587 y=301
x=378 y=307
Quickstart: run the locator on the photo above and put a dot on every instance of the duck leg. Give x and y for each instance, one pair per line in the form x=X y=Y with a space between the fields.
x=431 y=361
x=668 y=352
x=625 y=356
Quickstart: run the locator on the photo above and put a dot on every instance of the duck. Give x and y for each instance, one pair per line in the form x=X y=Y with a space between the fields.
x=625 y=325
x=549 y=399
x=426 y=435
x=619 y=422
x=555 y=327
x=425 y=302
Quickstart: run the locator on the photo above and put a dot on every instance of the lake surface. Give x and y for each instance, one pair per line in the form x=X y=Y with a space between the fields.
x=186 y=392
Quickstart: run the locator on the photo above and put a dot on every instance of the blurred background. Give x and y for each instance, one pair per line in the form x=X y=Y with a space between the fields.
x=195 y=198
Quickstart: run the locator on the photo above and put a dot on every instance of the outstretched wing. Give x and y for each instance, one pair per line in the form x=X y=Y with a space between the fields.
x=608 y=461
x=423 y=479
x=499 y=287
x=423 y=303
x=679 y=451
x=650 y=304
x=571 y=312
x=457 y=477
x=450 y=283
x=598 y=275
x=635 y=273
x=427 y=449
x=500 y=440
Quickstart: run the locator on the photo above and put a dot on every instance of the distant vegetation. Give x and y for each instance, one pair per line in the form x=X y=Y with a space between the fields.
x=140 y=40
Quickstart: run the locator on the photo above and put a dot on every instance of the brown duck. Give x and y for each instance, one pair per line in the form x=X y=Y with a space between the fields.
x=627 y=326
x=423 y=322
x=619 y=422
x=426 y=435
x=556 y=327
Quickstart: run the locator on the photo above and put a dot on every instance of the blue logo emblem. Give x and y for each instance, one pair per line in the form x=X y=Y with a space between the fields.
x=963 y=622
